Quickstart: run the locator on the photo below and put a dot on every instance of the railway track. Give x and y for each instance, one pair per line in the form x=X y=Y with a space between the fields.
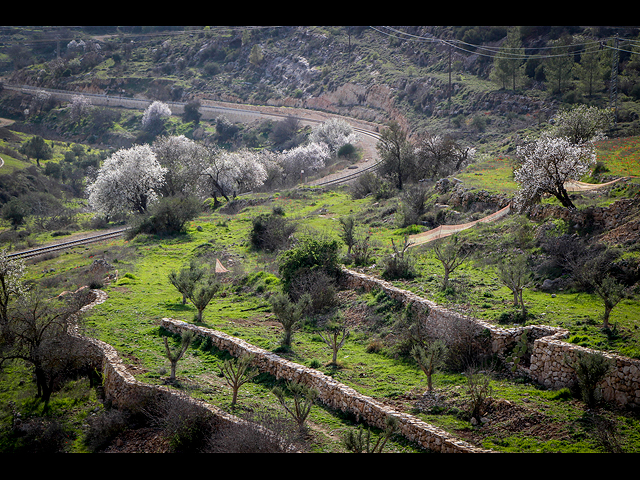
x=56 y=247
x=138 y=104
x=352 y=176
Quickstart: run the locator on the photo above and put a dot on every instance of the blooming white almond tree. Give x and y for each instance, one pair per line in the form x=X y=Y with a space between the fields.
x=128 y=181
x=184 y=160
x=154 y=114
x=334 y=133
x=304 y=158
x=547 y=164
x=583 y=123
x=230 y=173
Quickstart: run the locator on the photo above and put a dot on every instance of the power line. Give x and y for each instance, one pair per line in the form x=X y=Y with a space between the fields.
x=501 y=52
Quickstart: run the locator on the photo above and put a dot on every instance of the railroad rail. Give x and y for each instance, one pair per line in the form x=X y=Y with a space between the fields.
x=35 y=252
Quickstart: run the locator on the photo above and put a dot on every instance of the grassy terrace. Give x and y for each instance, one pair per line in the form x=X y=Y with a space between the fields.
x=526 y=418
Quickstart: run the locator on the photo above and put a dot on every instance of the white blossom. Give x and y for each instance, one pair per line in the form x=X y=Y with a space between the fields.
x=127 y=181
x=230 y=173
x=582 y=124
x=304 y=158
x=154 y=114
x=335 y=133
x=79 y=106
x=184 y=159
x=546 y=165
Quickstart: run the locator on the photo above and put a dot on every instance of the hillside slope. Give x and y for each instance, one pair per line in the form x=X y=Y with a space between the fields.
x=436 y=78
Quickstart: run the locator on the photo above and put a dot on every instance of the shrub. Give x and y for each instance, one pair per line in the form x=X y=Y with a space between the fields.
x=590 y=369
x=311 y=255
x=167 y=217
x=271 y=232
x=103 y=428
x=399 y=264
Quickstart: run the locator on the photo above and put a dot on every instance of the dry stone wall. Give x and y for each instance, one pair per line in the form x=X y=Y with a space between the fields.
x=547 y=363
x=121 y=388
x=332 y=393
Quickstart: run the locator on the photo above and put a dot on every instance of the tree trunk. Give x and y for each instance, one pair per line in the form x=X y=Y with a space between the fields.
x=607 y=312
x=445 y=280
x=563 y=196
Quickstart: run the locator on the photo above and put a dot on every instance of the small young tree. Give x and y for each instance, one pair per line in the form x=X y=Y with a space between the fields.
x=175 y=354
x=430 y=357
x=335 y=334
x=514 y=273
x=593 y=270
x=359 y=441
x=202 y=294
x=289 y=314
x=237 y=372
x=303 y=399
x=590 y=369
x=399 y=264
x=451 y=253
x=479 y=391
x=186 y=279
x=348 y=232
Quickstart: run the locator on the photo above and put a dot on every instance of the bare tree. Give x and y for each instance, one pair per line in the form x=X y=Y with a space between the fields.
x=237 y=372
x=11 y=285
x=41 y=334
x=452 y=253
x=174 y=355
x=438 y=156
x=396 y=153
x=336 y=333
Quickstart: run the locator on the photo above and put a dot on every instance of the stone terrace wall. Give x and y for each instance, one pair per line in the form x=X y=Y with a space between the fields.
x=124 y=391
x=547 y=362
x=333 y=394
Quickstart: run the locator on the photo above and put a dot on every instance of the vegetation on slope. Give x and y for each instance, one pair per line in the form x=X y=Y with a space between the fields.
x=375 y=359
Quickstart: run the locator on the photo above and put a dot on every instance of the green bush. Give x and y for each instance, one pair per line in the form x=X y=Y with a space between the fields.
x=271 y=232
x=310 y=256
x=167 y=217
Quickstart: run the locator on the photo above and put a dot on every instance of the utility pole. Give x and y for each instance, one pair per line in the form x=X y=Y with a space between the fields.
x=614 y=82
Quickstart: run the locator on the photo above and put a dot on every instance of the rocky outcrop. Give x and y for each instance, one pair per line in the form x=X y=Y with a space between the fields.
x=619 y=222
